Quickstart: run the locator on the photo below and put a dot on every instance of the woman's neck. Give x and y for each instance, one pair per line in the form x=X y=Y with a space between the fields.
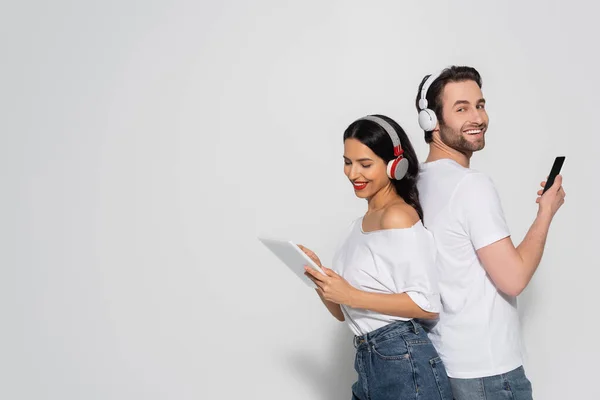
x=382 y=199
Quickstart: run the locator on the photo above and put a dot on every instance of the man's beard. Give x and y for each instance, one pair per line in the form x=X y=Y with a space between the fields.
x=455 y=139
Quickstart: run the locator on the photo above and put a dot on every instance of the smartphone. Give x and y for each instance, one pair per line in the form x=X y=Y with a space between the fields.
x=558 y=163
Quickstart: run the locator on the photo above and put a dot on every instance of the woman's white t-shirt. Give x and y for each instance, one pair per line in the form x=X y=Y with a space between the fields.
x=387 y=261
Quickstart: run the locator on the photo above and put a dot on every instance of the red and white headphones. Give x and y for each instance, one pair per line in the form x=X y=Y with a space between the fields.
x=396 y=168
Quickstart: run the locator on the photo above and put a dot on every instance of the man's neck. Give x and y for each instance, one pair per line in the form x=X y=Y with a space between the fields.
x=439 y=151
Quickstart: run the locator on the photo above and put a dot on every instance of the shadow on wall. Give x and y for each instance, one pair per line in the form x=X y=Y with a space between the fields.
x=331 y=379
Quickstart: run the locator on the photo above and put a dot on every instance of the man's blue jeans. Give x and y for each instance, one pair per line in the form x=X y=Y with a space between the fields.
x=512 y=385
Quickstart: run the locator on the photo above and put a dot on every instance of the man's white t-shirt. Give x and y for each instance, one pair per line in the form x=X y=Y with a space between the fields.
x=478 y=332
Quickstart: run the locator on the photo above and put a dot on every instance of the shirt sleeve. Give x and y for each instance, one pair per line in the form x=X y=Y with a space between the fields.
x=479 y=210
x=413 y=269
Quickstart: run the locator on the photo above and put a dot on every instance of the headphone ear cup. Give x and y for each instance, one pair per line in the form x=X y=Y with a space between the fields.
x=397 y=168
x=427 y=120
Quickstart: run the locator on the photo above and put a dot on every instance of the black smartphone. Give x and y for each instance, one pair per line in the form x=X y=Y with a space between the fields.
x=558 y=163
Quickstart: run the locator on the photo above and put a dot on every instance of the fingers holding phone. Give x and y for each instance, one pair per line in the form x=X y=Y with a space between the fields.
x=552 y=195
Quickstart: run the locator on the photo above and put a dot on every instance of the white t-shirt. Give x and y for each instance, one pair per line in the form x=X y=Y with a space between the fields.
x=387 y=261
x=478 y=330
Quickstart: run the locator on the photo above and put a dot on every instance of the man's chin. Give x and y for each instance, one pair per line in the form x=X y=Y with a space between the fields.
x=472 y=149
x=474 y=145
x=477 y=147
x=480 y=145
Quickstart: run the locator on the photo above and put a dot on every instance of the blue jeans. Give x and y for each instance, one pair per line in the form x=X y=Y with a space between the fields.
x=512 y=385
x=398 y=361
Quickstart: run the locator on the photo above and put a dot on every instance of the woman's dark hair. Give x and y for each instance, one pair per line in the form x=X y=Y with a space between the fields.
x=375 y=137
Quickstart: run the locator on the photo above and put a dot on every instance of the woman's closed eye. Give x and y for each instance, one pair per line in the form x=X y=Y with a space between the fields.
x=362 y=165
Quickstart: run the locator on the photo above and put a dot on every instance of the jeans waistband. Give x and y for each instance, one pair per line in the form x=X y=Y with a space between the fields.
x=387 y=332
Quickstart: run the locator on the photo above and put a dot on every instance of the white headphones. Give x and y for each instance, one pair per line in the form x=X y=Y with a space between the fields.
x=427 y=118
x=396 y=168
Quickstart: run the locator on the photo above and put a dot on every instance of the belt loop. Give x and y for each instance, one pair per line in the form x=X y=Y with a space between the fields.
x=415 y=327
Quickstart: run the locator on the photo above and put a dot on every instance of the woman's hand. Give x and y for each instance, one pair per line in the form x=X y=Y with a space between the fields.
x=331 y=286
x=311 y=254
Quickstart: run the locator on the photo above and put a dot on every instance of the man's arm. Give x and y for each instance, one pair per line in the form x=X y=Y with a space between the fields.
x=512 y=268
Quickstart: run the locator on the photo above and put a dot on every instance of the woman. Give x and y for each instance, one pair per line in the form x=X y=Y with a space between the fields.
x=382 y=278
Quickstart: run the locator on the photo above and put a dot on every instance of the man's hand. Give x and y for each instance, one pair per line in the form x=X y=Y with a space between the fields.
x=554 y=197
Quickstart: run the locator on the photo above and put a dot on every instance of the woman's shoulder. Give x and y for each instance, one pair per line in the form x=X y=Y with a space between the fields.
x=399 y=216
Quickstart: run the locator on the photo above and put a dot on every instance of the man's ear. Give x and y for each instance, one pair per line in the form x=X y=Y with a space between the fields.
x=436 y=130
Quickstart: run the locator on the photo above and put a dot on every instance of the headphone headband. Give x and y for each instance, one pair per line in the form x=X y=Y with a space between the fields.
x=398 y=167
x=423 y=100
x=389 y=129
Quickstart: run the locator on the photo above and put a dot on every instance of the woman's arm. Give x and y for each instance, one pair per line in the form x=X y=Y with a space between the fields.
x=333 y=308
x=397 y=304
x=335 y=289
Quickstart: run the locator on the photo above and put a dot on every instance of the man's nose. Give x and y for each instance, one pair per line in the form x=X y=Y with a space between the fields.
x=477 y=116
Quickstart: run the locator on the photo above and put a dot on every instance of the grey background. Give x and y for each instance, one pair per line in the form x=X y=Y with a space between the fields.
x=145 y=145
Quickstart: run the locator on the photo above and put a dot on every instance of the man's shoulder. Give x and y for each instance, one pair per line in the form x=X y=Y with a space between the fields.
x=474 y=180
x=474 y=194
x=442 y=178
x=443 y=170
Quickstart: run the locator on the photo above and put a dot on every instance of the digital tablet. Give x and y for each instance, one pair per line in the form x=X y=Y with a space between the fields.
x=292 y=256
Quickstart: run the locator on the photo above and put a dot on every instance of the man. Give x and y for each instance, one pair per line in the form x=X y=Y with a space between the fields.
x=480 y=270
